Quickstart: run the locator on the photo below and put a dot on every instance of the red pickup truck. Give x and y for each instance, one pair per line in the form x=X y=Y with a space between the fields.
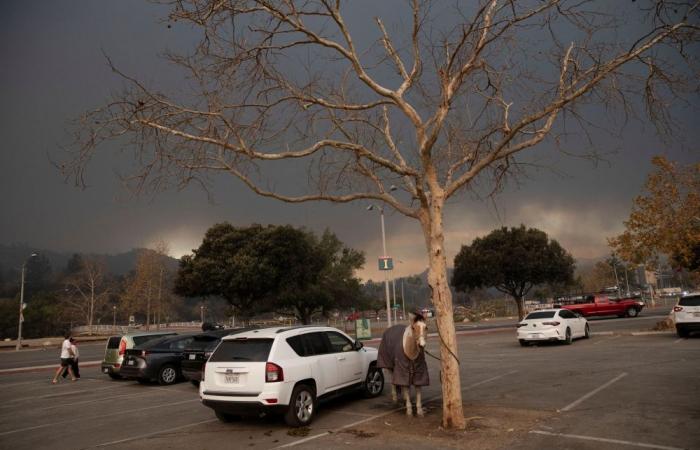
x=602 y=305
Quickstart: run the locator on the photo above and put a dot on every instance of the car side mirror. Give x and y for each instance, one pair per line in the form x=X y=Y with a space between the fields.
x=358 y=345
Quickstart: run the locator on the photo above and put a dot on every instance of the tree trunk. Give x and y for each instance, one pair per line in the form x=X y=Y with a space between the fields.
x=452 y=413
x=148 y=306
x=520 y=302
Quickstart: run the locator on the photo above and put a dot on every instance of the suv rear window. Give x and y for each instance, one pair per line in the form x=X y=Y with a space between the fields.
x=255 y=350
x=113 y=342
x=540 y=315
x=690 y=301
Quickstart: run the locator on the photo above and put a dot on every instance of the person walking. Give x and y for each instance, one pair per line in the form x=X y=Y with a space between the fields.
x=66 y=360
x=74 y=359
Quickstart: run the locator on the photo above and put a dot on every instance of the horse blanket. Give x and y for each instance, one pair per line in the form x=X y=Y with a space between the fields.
x=391 y=356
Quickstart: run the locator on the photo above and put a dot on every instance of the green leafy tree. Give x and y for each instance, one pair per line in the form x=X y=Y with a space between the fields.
x=224 y=266
x=326 y=282
x=273 y=268
x=513 y=261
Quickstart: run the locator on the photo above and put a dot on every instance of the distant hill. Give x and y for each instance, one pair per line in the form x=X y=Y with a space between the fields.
x=12 y=257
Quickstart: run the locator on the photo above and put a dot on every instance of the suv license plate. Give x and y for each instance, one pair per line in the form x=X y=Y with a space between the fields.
x=191 y=356
x=105 y=370
x=231 y=378
x=697 y=314
x=130 y=362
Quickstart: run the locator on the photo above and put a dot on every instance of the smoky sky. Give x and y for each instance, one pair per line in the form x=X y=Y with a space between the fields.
x=53 y=69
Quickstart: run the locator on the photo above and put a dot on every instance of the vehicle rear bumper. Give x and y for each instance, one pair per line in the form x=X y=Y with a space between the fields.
x=110 y=369
x=244 y=408
x=688 y=326
x=544 y=335
x=134 y=373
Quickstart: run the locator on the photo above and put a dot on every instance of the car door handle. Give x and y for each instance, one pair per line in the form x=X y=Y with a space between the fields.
x=341 y=358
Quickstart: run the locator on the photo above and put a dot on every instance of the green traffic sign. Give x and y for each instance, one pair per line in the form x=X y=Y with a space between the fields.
x=386 y=263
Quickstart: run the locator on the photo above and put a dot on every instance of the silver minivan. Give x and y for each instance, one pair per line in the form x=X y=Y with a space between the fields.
x=117 y=345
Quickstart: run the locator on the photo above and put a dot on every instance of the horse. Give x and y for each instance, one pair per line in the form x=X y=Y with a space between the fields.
x=401 y=354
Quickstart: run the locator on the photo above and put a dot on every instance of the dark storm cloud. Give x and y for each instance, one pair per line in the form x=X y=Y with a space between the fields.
x=54 y=69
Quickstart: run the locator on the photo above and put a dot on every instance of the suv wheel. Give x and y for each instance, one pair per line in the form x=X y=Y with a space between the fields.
x=567 y=339
x=632 y=312
x=523 y=342
x=374 y=383
x=115 y=376
x=302 y=406
x=167 y=375
x=682 y=332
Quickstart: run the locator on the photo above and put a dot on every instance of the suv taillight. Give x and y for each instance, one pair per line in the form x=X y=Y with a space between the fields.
x=273 y=373
x=122 y=347
x=555 y=323
x=677 y=308
x=521 y=325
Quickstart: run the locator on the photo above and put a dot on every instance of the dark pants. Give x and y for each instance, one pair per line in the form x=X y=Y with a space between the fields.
x=74 y=367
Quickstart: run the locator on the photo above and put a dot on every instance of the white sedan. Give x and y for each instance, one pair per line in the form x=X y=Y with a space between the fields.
x=552 y=325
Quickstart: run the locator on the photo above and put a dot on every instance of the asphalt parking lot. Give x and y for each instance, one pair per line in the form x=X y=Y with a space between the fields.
x=616 y=390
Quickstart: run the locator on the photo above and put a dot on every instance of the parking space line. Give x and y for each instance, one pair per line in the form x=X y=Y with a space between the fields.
x=155 y=433
x=80 y=419
x=679 y=340
x=54 y=395
x=607 y=441
x=349 y=413
x=386 y=413
x=574 y=404
x=62 y=405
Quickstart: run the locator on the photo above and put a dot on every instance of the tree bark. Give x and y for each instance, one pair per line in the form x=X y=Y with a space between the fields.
x=521 y=306
x=452 y=413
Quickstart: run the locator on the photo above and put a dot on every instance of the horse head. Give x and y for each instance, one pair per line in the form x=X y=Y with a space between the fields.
x=419 y=330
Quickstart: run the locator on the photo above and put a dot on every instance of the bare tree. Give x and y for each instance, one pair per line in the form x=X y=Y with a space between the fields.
x=88 y=289
x=418 y=115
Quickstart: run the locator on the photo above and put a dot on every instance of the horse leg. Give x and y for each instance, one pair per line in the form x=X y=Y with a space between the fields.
x=394 y=397
x=419 y=404
x=407 y=398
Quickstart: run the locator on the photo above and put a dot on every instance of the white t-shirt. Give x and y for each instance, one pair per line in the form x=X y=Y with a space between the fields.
x=76 y=354
x=65 y=349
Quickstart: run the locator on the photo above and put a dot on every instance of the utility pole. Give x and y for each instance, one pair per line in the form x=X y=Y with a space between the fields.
x=21 y=304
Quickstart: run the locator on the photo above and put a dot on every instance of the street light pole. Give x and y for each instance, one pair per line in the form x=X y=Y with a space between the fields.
x=386 y=276
x=21 y=305
x=114 y=318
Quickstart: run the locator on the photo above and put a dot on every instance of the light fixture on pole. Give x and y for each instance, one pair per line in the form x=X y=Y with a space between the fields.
x=386 y=260
x=21 y=304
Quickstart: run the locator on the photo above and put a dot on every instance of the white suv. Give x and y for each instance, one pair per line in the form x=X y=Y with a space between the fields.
x=686 y=314
x=286 y=370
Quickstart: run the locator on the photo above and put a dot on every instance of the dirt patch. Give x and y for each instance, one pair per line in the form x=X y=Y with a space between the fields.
x=299 y=432
x=666 y=324
x=487 y=427
x=359 y=433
